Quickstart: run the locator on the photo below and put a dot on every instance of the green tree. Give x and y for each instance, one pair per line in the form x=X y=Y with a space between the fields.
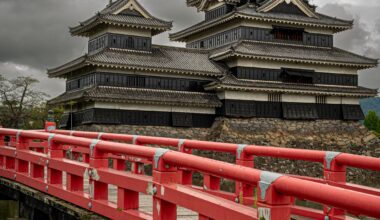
x=21 y=103
x=372 y=122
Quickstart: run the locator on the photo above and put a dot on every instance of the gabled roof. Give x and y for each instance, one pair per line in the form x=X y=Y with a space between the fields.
x=304 y=6
x=202 y=4
x=293 y=53
x=230 y=82
x=250 y=12
x=160 y=59
x=114 y=15
x=139 y=95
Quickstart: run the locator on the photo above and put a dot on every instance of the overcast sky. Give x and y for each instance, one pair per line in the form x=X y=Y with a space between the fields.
x=34 y=33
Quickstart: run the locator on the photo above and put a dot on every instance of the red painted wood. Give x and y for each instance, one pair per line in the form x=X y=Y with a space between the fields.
x=166 y=183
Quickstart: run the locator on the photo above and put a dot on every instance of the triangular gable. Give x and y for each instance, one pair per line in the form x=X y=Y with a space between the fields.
x=300 y=4
x=203 y=4
x=133 y=5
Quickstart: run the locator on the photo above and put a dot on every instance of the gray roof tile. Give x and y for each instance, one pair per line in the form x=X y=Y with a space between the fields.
x=230 y=81
x=107 y=16
x=293 y=52
x=161 y=58
x=138 y=95
x=248 y=12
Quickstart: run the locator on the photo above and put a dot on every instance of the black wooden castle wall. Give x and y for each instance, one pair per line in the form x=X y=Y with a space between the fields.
x=292 y=111
x=120 y=41
x=133 y=117
x=260 y=34
x=134 y=81
x=278 y=75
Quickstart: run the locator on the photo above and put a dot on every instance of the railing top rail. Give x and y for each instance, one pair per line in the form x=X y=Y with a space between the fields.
x=287 y=185
x=342 y=159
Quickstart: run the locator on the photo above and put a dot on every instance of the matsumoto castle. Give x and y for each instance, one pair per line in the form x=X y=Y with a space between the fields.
x=246 y=59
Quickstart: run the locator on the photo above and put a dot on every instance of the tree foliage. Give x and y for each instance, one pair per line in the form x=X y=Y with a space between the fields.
x=372 y=122
x=21 y=104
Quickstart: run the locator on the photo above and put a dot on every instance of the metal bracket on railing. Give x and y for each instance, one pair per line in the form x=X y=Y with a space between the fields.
x=100 y=135
x=93 y=145
x=329 y=157
x=157 y=156
x=266 y=179
x=51 y=136
x=240 y=150
x=134 y=141
x=181 y=142
x=18 y=135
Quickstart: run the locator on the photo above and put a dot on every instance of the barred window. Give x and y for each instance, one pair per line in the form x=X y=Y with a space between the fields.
x=275 y=97
x=320 y=99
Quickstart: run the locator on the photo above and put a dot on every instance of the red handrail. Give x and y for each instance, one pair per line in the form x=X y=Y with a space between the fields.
x=343 y=159
x=283 y=185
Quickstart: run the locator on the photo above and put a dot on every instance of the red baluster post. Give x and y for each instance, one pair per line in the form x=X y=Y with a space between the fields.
x=272 y=205
x=22 y=166
x=98 y=160
x=334 y=173
x=185 y=176
x=162 y=174
x=127 y=199
x=55 y=151
x=244 y=192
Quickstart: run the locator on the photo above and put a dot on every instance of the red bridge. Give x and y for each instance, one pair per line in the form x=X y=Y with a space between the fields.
x=37 y=159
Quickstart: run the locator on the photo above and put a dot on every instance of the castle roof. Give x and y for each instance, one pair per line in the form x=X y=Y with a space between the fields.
x=122 y=13
x=140 y=96
x=160 y=59
x=293 y=53
x=230 y=82
x=251 y=12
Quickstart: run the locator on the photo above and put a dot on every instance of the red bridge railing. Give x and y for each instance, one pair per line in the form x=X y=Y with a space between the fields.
x=335 y=164
x=274 y=190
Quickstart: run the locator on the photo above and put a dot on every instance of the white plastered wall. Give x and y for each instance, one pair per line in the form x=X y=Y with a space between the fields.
x=124 y=31
x=154 y=108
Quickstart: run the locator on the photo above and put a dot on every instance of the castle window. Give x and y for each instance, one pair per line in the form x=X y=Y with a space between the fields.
x=202 y=44
x=320 y=99
x=297 y=76
x=288 y=34
x=275 y=97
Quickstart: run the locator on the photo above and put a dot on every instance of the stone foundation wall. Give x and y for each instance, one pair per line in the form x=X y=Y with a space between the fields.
x=350 y=137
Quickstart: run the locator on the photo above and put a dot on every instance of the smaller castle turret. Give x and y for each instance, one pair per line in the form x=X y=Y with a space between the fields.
x=123 y=25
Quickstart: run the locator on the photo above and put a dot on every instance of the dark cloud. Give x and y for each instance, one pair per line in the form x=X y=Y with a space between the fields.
x=34 y=34
x=362 y=39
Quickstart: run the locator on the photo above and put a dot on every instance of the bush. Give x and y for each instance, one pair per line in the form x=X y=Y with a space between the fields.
x=372 y=122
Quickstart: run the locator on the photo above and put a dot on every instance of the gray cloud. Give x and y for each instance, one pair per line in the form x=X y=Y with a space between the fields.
x=34 y=34
x=362 y=39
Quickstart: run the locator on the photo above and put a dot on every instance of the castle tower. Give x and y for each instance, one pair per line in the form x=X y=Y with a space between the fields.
x=281 y=58
x=124 y=79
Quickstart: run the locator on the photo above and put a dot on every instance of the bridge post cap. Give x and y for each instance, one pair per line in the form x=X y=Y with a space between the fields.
x=18 y=135
x=240 y=150
x=329 y=157
x=181 y=142
x=266 y=179
x=134 y=141
x=157 y=156
x=93 y=144
x=50 y=138
x=100 y=135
